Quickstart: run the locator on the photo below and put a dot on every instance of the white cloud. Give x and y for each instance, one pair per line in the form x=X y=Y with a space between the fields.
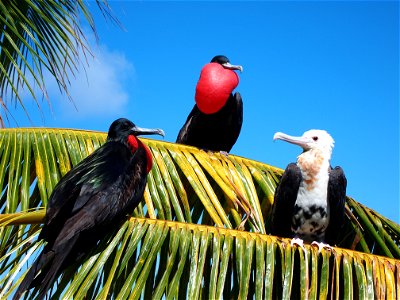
x=98 y=88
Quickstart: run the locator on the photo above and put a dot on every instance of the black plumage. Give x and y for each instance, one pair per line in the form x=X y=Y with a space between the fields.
x=214 y=132
x=217 y=131
x=337 y=200
x=91 y=199
x=284 y=199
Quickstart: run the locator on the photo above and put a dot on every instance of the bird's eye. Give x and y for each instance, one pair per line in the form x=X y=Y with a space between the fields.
x=315 y=138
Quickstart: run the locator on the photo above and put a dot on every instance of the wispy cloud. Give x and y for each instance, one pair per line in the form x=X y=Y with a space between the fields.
x=98 y=88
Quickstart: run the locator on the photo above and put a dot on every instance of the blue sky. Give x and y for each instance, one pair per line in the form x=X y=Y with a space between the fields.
x=307 y=65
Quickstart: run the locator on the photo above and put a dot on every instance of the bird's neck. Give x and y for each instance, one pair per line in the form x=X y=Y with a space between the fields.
x=314 y=165
x=134 y=143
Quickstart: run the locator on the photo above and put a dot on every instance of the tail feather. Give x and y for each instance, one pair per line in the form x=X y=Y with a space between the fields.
x=50 y=263
x=29 y=279
x=51 y=273
x=62 y=253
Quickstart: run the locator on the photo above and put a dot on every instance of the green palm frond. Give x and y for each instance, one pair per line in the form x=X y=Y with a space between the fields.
x=38 y=37
x=200 y=230
x=148 y=258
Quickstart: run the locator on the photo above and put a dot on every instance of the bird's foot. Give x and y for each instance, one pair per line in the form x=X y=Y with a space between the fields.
x=241 y=225
x=224 y=153
x=322 y=246
x=298 y=242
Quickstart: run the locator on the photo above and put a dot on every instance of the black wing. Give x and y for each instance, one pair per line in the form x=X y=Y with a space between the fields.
x=188 y=130
x=336 y=198
x=89 y=201
x=215 y=132
x=234 y=120
x=284 y=200
x=94 y=174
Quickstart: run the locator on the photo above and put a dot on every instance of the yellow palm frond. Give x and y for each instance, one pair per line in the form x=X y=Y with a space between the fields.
x=200 y=231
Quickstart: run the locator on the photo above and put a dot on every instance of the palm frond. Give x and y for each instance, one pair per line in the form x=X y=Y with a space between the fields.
x=168 y=259
x=39 y=37
x=216 y=211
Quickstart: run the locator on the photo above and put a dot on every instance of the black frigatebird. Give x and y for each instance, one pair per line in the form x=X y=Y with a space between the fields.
x=309 y=202
x=93 y=197
x=216 y=119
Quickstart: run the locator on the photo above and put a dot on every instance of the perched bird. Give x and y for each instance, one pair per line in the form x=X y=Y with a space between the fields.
x=91 y=198
x=309 y=201
x=216 y=119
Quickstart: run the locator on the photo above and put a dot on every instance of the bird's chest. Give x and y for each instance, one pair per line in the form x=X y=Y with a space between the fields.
x=311 y=210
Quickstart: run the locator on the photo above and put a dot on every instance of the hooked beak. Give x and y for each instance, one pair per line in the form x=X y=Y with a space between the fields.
x=296 y=140
x=146 y=131
x=232 y=67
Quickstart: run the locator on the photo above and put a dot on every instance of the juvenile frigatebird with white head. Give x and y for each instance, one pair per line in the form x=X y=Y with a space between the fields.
x=216 y=119
x=309 y=202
